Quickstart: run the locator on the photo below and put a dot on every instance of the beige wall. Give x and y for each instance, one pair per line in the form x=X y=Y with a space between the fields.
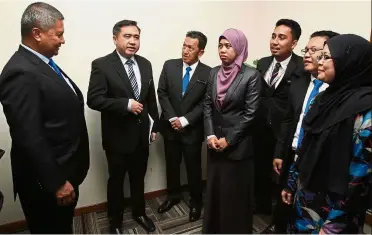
x=88 y=26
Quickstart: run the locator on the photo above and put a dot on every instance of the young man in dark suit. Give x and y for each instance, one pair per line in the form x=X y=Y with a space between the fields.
x=290 y=137
x=279 y=70
x=45 y=112
x=122 y=88
x=181 y=90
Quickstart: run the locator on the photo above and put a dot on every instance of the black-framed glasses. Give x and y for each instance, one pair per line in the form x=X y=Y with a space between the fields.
x=323 y=56
x=310 y=50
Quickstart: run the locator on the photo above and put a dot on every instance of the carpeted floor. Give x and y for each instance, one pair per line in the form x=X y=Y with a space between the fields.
x=175 y=221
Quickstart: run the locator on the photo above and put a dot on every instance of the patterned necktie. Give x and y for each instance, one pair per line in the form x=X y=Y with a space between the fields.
x=275 y=73
x=55 y=68
x=186 y=80
x=313 y=94
x=132 y=78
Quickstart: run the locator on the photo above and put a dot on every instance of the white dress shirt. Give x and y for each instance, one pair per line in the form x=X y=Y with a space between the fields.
x=136 y=73
x=299 y=124
x=183 y=120
x=46 y=60
x=282 y=69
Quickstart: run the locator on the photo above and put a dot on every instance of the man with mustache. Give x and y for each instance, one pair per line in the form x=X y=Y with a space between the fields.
x=279 y=69
x=181 y=90
x=302 y=91
x=45 y=112
x=122 y=88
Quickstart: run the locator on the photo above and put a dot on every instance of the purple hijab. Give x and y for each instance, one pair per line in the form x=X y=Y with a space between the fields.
x=227 y=74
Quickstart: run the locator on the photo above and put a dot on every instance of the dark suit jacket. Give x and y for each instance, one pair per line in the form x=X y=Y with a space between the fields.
x=296 y=97
x=234 y=119
x=190 y=105
x=273 y=102
x=47 y=124
x=109 y=92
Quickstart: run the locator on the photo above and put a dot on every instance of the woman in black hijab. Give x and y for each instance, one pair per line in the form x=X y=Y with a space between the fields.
x=330 y=184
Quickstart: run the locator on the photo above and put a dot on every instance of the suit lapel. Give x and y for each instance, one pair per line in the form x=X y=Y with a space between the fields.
x=144 y=81
x=288 y=72
x=265 y=65
x=193 y=79
x=178 y=79
x=119 y=67
x=46 y=69
x=301 y=91
x=233 y=86
x=214 y=90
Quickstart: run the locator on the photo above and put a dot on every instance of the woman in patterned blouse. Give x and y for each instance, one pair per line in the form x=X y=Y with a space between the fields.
x=330 y=183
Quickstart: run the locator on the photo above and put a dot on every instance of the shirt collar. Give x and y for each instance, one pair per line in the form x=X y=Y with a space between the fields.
x=124 y=59
x=284 y=63
x=312 y=78
x=193 y=66
x=43 y=58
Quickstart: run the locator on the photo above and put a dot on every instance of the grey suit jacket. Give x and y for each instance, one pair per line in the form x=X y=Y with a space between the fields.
x=234 y=119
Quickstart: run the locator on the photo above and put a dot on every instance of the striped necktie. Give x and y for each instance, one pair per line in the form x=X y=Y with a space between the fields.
x=132 y=78
x=275 y=73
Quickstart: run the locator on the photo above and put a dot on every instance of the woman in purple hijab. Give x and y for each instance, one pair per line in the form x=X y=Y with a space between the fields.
x=230 y=105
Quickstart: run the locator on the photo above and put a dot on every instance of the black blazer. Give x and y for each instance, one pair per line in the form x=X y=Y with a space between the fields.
x=190 y=105
x=234 y=119
x=109 y=92
x=296 y=97
x=47 y=124
x=274 y=101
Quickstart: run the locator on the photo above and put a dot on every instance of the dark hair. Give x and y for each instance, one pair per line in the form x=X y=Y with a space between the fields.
x=200 y=36
x=295 y=27
x=117 y=27
x=40 y=15
x=324 y=33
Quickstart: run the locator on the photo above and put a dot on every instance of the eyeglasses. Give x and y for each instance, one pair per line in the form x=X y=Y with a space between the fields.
x=310 y=50
x=324 y=57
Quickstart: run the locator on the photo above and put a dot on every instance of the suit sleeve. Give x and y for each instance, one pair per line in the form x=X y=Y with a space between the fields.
x=285 y=130
x=196 y=113
x=97 y=94
x=22 y=102
x=163 y=94
x=208 y=107
x=250 y=108
x=151 y=102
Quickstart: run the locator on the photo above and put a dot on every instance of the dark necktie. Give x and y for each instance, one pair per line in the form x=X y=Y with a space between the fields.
x=55 y=68
x=275 y=73
x=132 y=78
x=186 y=80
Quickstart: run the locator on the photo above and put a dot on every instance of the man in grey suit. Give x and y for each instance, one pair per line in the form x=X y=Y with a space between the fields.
x=181 y=90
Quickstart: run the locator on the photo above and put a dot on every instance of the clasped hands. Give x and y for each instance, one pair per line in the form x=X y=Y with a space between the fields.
x=217 y=144
x=176 y=124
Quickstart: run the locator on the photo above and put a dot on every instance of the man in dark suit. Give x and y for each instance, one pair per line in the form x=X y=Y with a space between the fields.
x=122 y=88
x=279 y=70
x=45 y=112
x=290 y=135
x=181 y=90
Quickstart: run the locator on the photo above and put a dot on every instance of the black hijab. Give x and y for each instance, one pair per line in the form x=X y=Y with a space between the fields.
x=327 y=147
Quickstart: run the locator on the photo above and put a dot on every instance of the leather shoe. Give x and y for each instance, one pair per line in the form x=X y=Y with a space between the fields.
x=145 y=222
x=269 y=230
x=195 y=212
x=167 y=205
x=115 y=230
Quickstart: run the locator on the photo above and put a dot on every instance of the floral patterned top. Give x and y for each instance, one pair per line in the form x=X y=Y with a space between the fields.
x=334 y=213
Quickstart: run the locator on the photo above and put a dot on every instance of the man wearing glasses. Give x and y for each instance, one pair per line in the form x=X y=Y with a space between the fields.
x=301 y=93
